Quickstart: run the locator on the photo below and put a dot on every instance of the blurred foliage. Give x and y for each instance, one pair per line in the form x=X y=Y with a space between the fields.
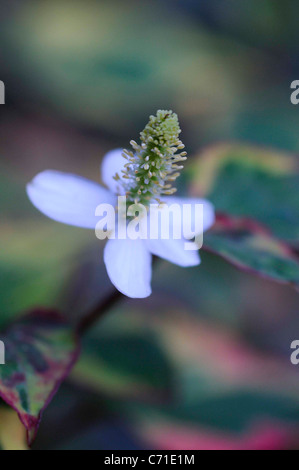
x=125 y=363
x=110 y=64
x=274 y=26
x=253 y=185
x=222 y=390
x=30 y=274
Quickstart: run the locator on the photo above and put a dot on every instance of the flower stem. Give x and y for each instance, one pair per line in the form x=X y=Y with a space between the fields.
x=99 y=311
x=102 y=308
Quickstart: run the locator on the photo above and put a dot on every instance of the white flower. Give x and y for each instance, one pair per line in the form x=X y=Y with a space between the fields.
x=73 y=200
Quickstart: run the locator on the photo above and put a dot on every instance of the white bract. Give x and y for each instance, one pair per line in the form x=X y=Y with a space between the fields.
x=143 y=176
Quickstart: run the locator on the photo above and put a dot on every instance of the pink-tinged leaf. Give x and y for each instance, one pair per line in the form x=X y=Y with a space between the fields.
x=40 y=350
x=252 y=182
x=251 y=247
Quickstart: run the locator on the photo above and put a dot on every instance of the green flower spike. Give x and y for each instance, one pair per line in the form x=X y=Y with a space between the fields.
x=154 y=165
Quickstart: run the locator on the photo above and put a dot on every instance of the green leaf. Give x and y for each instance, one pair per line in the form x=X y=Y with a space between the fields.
x=234 y=411
x=251 y=182
x=40 y=350
x=220 y=381
x=249 y=246
x=36 y=264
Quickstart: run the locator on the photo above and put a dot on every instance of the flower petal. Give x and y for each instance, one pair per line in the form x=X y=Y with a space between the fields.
x=113 y=162
x=68 y=198
x=174 y=251
x=208 y=211
x=129 y=266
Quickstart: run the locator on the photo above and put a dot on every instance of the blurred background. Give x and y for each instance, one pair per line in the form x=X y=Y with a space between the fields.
x=204 y=363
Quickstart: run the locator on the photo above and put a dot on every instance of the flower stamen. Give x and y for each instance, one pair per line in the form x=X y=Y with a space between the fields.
x=154 y=163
